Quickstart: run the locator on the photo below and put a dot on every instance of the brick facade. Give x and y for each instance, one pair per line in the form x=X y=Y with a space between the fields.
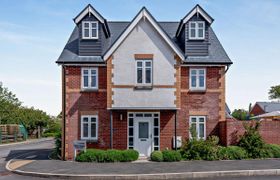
x=95 y=103
x=232 y=130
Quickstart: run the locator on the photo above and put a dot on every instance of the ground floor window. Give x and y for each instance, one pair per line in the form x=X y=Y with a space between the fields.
x=89 y=127
x=198 y=123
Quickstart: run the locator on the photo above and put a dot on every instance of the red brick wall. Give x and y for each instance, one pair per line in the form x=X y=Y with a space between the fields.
x=86 y=103
x=257 y=110
x=233 y=130
x=167 y=120
x=200 y=103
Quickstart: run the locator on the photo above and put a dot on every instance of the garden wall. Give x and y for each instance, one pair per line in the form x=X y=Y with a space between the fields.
x=232 y=129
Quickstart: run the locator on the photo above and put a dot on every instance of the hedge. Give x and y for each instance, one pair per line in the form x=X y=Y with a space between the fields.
x=232 y=153
x=96 y=155
x=171 y=156
x=157 y=156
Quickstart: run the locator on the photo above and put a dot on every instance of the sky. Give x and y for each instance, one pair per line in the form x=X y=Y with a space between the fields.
x=33 y=34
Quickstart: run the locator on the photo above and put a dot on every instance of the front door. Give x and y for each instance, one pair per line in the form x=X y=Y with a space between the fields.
x=143 y=135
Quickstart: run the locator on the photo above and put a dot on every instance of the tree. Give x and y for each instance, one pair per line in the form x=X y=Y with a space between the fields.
x=240 y=114
x=274 y=92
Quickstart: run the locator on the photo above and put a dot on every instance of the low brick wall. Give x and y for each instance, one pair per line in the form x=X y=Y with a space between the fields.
x=231 y=130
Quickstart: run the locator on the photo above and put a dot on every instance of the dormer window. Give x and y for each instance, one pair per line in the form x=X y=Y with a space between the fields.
x=90 y=30
x=196 y=30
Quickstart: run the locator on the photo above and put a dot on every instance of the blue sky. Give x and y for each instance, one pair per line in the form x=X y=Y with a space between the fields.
x=33 y=33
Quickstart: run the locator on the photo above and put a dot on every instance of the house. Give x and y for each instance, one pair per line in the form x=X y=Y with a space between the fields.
x=139 y=84
x=264 y=107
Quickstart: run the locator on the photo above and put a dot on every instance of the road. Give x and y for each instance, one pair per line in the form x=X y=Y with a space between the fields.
x=36 y=149
x=41 y=148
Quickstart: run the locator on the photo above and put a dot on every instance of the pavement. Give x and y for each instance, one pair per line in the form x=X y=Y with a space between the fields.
x=34 y=147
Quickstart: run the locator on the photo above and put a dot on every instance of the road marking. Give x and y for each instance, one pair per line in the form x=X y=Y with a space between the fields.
x=16 y=164
x=9 y=162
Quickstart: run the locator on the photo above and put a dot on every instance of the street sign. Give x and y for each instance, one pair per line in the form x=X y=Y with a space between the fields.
x=79 y=145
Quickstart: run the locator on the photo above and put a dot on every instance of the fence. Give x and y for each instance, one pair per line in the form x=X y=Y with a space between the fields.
x=12 y=133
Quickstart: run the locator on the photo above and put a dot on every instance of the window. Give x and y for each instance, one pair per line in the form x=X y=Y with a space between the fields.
x=198 y=123
x=89 y=78
x=196 y=30
x=89 y=127
x=144 y=72
x=197 y=79
x=90 y=30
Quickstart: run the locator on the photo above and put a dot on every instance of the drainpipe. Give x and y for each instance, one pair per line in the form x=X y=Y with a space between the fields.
x=175 y=126
x=111 y=129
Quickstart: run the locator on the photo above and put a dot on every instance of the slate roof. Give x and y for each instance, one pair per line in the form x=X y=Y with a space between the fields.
x=217 y=54
x=269 y=106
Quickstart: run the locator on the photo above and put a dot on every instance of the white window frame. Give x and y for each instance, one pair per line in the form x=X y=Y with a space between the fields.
x=144 y=72
x=90 y=28
x=196 y=37
x=197 y=88
x=197 y=126
x=89 y=127
x=89 y=78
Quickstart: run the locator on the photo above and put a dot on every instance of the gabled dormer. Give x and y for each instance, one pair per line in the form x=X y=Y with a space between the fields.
x=93 y=30
x=193 y=32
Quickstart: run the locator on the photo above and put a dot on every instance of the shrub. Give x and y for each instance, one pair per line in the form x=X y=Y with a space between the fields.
x=272 y=150
x=49 y=134
x=157 y=156
x=95 y=155
x=201 y=149
x=171 y=156
x=232 y=153
x=252 y=141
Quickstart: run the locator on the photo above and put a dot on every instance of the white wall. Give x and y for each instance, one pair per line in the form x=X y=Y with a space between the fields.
x=143 y=40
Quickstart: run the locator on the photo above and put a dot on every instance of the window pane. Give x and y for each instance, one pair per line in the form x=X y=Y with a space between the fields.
x=130 y=131
x=93 y=81
x=201 y=119
x=93 y=129
x=130 y=121
x=156 y=148
x=200 y=33
x=85 y=81
x=85 y=119
x=93 y=119
x=139 y=64
x=148 y=75
x=201 y=81
x=192 y=25
x=93 y=25
x=143 y=130
x=193 y=72
x=155 y=121
x=156 y=141
x=201 y=72
x=86 y=32
x=148 y=64
x=193 y=127
x=194 y=120
x=193 y=81
x=156 y=131
x=192 y=32
x=93 y=72
x=201 y=130
x=86 y=25
x=139 y=76
x=200 y=25
x=130 y=141
x=94 y=33
x=85 y=130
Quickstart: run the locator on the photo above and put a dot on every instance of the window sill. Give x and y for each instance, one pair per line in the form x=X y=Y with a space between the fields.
x=197 y=90
x=143 y=87
x=89 y=90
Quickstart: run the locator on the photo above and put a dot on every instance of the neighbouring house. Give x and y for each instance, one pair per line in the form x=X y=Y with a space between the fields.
x=264 y=107
x=139 y=84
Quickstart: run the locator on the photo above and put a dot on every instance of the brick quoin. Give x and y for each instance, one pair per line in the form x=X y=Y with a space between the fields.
x=95 y=102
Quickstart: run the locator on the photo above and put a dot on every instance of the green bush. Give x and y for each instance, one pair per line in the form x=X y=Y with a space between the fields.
x=171 y=156
x=252 y=142
x=95 y=155
x=157 y=156
x=51 y=134
x=201 y=149
x=272 y=150
x=232 y=153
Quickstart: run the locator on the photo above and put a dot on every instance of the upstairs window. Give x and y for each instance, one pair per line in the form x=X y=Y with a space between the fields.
x=144 y=72
x=196 y=30
x=89 y=78
x=90 y=29
x=197 y=79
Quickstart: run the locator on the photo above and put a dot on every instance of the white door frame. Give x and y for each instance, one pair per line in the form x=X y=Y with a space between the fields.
x=144 y=143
